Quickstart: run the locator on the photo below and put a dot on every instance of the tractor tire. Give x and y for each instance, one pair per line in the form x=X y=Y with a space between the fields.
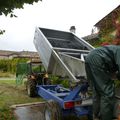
x=31 y=88
x=52 y=111
x=47 y=81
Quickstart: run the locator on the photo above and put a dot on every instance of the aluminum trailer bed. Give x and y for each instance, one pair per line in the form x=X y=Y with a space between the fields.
x=62 y=53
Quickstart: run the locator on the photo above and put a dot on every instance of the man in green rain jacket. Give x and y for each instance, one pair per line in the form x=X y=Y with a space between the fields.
x=101 y=63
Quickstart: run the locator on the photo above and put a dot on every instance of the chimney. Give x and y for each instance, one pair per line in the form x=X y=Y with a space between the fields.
x=72 y=29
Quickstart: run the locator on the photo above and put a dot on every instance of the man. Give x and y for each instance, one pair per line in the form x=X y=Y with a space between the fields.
x=101 y=63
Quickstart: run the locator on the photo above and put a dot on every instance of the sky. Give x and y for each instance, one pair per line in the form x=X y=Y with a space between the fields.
x=52 y=14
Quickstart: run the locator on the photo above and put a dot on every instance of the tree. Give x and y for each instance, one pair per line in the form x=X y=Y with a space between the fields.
x=7 y=7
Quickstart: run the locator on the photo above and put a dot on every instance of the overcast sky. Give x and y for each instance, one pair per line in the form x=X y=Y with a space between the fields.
x=53 y=14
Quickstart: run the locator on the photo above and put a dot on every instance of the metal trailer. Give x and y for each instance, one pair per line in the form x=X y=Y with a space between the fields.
x=62 y=54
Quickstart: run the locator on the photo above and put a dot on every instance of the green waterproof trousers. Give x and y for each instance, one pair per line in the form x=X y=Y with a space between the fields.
x=102 y=84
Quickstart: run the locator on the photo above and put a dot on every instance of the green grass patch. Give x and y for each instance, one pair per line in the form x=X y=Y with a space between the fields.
x=10 y=82
x=10 y=94
x=5 y=74
x=6 y=114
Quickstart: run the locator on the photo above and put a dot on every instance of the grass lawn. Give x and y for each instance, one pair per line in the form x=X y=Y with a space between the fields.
x=11 y=94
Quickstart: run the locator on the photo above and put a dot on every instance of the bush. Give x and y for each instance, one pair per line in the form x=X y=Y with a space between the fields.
x=9 y=65
x=59 y=80
x=6 y=114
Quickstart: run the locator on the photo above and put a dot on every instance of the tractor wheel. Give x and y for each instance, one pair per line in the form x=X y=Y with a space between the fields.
x=47 y=81
x=52 y=111
x=31 y=88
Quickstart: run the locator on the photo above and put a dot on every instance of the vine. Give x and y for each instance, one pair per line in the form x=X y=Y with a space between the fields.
x=112 y=24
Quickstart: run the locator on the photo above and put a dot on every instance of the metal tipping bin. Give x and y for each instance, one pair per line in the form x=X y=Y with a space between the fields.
x=62 y=53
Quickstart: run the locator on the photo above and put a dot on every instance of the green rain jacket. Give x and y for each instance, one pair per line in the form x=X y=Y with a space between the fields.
x=111 y=56
x=100 y=65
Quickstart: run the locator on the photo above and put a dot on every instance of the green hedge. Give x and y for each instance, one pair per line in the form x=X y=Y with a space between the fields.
x=9 y=65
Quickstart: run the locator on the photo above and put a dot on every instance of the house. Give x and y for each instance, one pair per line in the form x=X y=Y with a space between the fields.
x=107 y=29
x=92 y=38
x=25 y=54
x=4 y=54
x=109 y=26
x=109 y=19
